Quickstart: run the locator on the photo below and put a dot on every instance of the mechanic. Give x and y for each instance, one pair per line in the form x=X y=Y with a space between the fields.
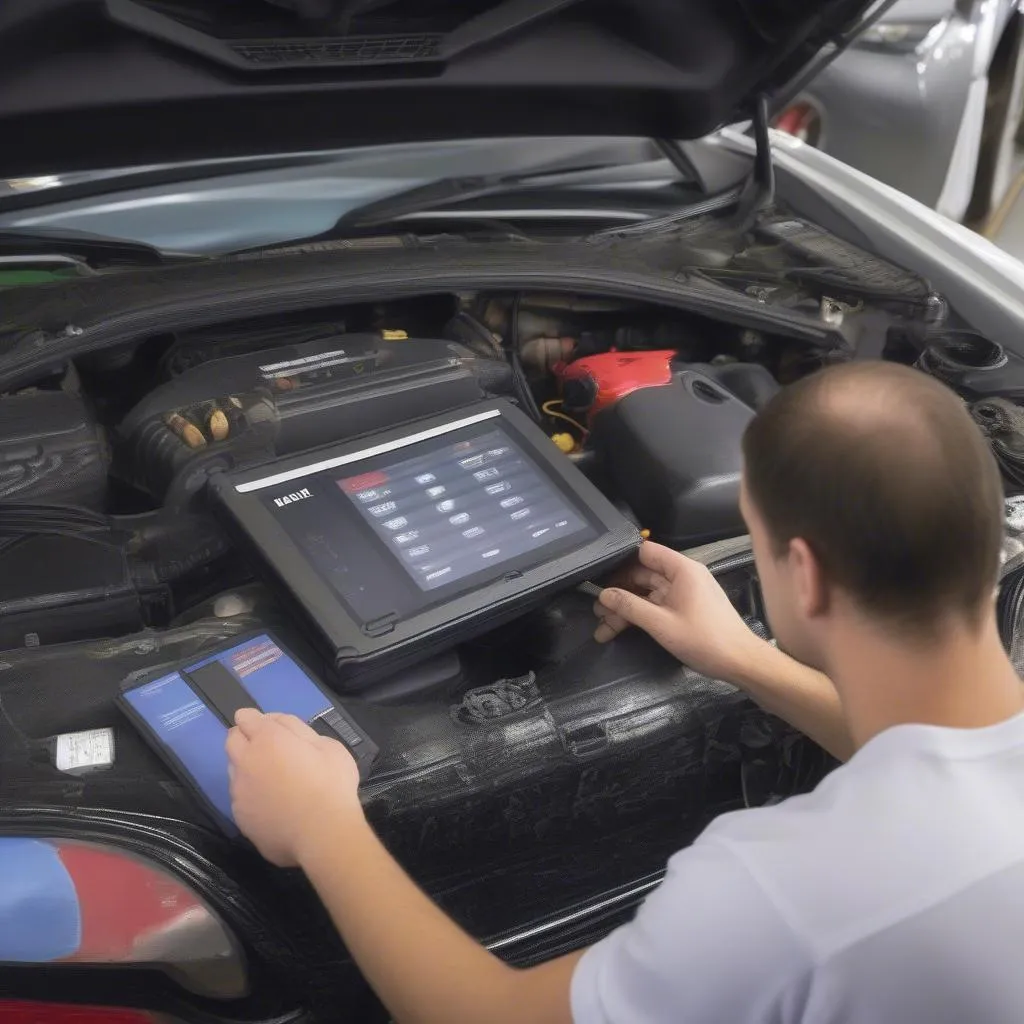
x=892 y=893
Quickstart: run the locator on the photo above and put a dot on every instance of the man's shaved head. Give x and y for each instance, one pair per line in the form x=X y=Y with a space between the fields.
x=882 y=472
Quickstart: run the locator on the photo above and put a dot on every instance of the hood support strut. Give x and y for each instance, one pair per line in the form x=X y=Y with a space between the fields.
x=750 y=198
x=759 y=189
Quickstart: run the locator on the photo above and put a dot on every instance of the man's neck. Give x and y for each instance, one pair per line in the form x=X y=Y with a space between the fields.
x=963 y=679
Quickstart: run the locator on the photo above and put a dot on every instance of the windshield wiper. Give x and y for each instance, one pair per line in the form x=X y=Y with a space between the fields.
x=422 y=198
x=750 y=197
x=445 y=191
x=94 y=250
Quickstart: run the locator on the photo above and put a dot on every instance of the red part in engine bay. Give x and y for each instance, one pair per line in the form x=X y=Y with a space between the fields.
x=596 y=382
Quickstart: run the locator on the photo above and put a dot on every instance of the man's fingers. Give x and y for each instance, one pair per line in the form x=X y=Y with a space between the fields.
x=605 y=615
x=637 y=611
x=609 y=625
x=635 y=576
x=248 y=720
x=642 y=578
x=294 y=725
x=236 y=744
x=660 y=559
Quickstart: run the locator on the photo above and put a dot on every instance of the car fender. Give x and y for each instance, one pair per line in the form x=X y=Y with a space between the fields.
x=991 y=21
x=984 y=284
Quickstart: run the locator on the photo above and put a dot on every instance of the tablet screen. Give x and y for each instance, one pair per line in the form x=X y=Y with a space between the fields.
x=179 y=720
x=473 y=505
x=401 y=530
x=257 y=673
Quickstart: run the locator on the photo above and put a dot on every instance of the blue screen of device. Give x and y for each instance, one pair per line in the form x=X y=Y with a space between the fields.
x=187 y=727
x=274 y=681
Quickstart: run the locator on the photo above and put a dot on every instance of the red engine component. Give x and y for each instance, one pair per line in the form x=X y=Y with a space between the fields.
x=596 y=382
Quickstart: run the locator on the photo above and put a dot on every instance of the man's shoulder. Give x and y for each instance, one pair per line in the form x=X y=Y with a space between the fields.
x=677 y=958
x=796 y=820
x=823 y=859
x=873 y=844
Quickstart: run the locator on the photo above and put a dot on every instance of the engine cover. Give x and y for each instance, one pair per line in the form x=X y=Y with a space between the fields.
x=246 y=409
x=672 y=453
x=51 y=451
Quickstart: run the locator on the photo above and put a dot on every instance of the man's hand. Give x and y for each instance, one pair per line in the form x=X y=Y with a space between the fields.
x=294 y=794
x=286 y=782
x=680 y=604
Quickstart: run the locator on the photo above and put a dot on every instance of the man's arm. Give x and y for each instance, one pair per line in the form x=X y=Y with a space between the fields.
x=707 y=945
x=294 y=794
x=800 y=695
x=681 y=605
x=421 y=964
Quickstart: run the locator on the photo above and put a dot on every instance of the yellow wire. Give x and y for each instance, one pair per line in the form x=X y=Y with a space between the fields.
x=548 y=410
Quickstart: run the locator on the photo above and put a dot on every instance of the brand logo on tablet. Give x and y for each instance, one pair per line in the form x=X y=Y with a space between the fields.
x=290 y=499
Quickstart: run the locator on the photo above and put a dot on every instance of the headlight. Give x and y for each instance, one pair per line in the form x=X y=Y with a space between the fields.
x=86 y=904
x=901 y=36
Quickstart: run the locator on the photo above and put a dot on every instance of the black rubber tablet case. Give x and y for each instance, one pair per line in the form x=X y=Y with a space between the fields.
x=362 y=655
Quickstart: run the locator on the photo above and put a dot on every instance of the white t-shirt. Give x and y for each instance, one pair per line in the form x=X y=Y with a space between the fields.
x=892 y=894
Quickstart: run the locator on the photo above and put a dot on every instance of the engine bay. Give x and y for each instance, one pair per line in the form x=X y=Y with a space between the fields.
x=106 y=521
x=517 y=758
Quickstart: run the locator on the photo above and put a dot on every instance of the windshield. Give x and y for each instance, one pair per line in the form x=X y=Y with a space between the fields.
x=218 y=207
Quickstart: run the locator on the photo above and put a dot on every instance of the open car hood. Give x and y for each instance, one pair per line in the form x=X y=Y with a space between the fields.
x=90 y=84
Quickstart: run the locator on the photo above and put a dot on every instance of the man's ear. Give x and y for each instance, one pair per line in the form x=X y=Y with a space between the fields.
x=810 y=586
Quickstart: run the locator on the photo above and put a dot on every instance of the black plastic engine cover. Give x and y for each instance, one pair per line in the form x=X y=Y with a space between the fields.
x=672 y=453
x=51 y=451
x=61 y=589
x=245 y=409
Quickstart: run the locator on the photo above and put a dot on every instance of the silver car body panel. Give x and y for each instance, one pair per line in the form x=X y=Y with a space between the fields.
x=981 y=282
x=914 y=120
